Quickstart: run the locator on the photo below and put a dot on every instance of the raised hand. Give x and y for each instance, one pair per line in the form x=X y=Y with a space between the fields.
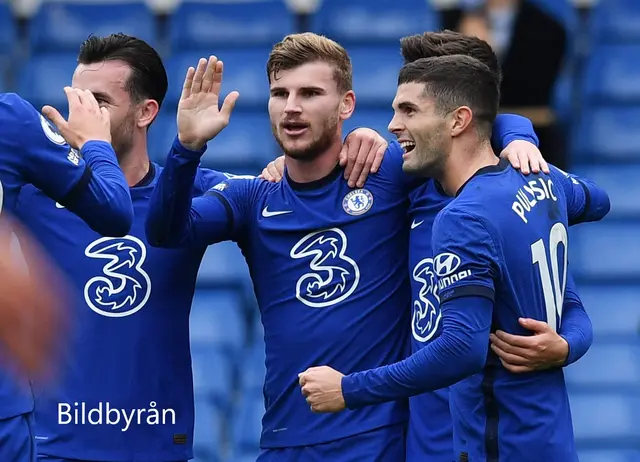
x=199 y=118
x=87 y=120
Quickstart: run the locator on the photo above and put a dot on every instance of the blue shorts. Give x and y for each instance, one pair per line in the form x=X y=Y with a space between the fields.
x=385 y=444
x=17 y=439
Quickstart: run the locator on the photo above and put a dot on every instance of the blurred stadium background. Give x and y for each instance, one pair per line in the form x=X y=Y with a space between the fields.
x=593 y=103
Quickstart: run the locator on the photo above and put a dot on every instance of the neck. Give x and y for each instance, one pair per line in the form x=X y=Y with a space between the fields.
x=135 y=164
x=303 y=171
x=463 y=164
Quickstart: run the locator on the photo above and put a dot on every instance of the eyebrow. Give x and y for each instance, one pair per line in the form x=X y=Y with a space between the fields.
x=101 y=95
x=405 y=105
x=308 y=88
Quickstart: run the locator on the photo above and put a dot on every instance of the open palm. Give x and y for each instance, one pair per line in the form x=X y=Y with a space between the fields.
x=199 y=118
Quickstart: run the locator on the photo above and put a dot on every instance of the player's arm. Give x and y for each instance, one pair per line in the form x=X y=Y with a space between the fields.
x=546 y=348
x=467 y=308
x=90 y=184
x=176 y=218
x=586 y=201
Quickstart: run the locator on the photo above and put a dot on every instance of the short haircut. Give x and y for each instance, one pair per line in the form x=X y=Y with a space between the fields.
x=446 y=43
x=148 y=79
x=454 y=81
x=298 y=49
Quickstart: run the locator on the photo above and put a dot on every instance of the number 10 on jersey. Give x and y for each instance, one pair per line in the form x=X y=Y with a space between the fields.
x=553 y=283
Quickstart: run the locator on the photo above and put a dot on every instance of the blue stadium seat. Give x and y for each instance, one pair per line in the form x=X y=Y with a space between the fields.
x=615 y=21
x=59 y=26
x=223 y=264
x=375 y=74
x=621 y=184
x=607 y=365
x=605 y=417
x=369 y=21
x=8 y=30
x=196 y=25
x=377 y=119
x=207 y=437
x=609 y=455
x=614 y=310
x=244 y=71
x=248 y=423
x=217 y=318
x=610 y=133
x=213 y=376
x=43 y=78
x=254 y=368
x=606 y=251
x=612 y=75
x=246 y=146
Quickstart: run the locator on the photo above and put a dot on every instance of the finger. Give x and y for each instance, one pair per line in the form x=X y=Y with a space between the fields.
x=229 y=104
x=516 y=369
x=302 y=379
x=188 y=83
x=534 y=161
x=207 y=79
x=217 y=78
x=273 y=172
x=544 y=166
x=72 y=97
x=361 y=158
x=366 y=168
x=509 y=358
x=539 y=327
x=90 y=100
x=343 y=155
x=510 y=348
x=516 y=341
x=378 y=159
x=352 y=146
x=56 y=118
x=196 y=86
x=524 y=163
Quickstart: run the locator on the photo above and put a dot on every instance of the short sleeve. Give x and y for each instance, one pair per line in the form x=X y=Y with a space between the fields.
x=466 y=261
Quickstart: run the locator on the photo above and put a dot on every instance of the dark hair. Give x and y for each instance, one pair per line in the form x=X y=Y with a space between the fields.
x=446 y=43
x=148 y=77
x=454 y=81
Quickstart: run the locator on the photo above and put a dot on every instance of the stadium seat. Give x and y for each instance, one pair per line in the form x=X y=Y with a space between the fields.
x=223 y=264
x=207 y=437
x=607 y=251
x=43 y=78
x=197 y=25
x=248 y=423
x=214 y=376
x=609 y=455
x=605 y=417
x=253 y=373
x=612 y=75
x=8 y=41
x=621 y=184
x=60 y=26
x=245 y=146
x=377 y=119
x=607 y=365
x=217 y=318
x=375 y=74
x=370 y=21
x=614 y=310
x=244 y=71
x=608 y=133
x=615 y=21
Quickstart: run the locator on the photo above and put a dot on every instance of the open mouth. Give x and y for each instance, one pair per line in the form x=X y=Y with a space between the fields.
x=295 y=128
x=407 y=146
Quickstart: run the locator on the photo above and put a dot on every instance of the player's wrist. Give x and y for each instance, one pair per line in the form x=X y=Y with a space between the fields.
x=191 y=144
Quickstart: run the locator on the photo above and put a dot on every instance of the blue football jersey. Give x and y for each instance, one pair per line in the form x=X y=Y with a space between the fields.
x=505 y=237
x=31 y=152
x=125 y=390
x=328 y=266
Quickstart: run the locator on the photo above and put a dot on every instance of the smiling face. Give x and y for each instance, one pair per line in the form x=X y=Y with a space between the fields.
x=422 y=132
x=306 y=109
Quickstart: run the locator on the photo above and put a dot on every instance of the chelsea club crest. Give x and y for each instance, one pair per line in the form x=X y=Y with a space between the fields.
x=357 y=202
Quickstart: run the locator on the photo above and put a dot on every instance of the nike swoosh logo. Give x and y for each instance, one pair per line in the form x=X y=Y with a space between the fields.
x=59 y=206
x=267 y=214
x=415 y=224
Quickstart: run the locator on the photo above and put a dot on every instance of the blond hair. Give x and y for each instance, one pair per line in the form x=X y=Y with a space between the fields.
x=298 y=49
